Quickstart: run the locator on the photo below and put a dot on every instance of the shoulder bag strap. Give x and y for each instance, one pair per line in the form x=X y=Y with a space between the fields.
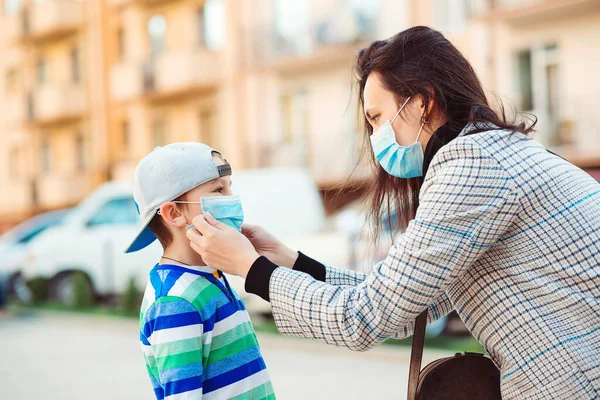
x=416 y=355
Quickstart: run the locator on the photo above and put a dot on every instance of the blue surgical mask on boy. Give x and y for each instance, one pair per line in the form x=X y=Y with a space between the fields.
x=226 y=209
x=396 y=160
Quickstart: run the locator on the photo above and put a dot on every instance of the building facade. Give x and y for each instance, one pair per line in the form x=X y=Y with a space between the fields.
x=89 y=87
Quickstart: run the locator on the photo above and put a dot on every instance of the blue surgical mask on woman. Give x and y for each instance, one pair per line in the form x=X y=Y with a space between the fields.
x=396 y=160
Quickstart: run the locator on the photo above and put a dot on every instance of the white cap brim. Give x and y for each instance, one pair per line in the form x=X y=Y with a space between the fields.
x=144 y=237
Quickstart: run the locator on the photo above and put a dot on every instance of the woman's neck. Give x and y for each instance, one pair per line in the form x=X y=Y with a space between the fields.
x=443 y=135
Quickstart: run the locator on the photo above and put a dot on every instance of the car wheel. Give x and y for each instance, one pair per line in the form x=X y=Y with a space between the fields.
x=17 y=287
x=63 y=289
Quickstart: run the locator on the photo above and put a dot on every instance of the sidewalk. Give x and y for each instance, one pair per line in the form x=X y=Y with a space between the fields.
x=65 y=356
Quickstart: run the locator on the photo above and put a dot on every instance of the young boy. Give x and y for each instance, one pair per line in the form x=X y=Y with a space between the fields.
x=196 y=335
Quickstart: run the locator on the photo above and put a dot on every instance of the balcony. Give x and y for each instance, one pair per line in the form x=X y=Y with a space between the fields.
x=520 y=12
x=52 y=19
x=181 y=72
x=55 y=103
x=126 y=81
x=328 y=42
x=60 y=190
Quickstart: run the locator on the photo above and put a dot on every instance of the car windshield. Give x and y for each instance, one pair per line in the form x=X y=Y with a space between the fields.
x=117 y=211
x=26 y=231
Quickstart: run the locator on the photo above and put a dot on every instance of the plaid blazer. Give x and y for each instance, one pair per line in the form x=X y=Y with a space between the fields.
x=508 y=235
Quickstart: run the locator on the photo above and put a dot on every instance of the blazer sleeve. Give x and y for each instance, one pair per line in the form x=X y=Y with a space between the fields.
x=467 y=202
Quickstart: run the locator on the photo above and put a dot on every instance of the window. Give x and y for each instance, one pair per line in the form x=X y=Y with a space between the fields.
x=157 y=29
x=292 y=26
x=294 y=107
x=551 y=81
x=201 y=27
x=15 y=157
x=125 y=138
x=42 y=73
x=159 y=131
x=366 y=12
x=121 y=44
x=46 y=156
x=293 y=144
x=80 y=151
x=12 y=6
x=27 y=238
x=119 y=211
x=12 y=82
x=208 y=128
x=537 y=87
x=30 y=107
x=54 y=221
x=525 y=80
x=214 y=22
x=76 y=65
x=451 y=15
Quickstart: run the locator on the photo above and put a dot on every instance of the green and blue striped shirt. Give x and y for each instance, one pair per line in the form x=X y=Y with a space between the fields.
x=197 y=338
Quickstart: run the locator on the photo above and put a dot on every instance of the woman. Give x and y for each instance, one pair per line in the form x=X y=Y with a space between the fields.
x=495 y=227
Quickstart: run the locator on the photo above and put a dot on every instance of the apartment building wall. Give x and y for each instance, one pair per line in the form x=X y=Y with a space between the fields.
x=45 y=69
x=550 y=66
x=186 y=87
x=267 y=82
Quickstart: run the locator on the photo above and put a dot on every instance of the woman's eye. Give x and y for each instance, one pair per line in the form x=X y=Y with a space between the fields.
x=219 y=190
x=375 y=118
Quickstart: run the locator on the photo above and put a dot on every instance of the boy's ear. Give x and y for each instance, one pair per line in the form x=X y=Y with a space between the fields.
x=171 y=214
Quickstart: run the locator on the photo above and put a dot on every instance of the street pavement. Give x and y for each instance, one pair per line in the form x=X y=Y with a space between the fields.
x=65 y=356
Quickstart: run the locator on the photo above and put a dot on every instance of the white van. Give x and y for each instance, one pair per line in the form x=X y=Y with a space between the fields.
x=93 y=237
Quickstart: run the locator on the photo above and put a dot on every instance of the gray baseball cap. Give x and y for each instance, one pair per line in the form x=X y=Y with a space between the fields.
x=164 y=175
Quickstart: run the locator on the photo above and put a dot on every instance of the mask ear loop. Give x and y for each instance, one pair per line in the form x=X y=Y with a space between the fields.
x=423 y=122
x=398 y=113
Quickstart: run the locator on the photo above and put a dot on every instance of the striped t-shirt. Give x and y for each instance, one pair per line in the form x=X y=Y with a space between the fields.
x=197 y=338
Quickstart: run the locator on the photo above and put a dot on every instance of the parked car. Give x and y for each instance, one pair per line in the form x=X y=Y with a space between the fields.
x=91 y=240
x=93 y=237
x=13 y=249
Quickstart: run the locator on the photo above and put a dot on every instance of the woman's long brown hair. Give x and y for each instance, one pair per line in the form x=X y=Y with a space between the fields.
x=421 y=61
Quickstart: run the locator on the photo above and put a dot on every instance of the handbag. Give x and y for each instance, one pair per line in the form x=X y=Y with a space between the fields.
x=461 y=377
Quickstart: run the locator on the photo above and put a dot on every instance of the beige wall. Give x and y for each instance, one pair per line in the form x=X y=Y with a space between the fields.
x=576 y=37
x=63 y=109
x=249 y=96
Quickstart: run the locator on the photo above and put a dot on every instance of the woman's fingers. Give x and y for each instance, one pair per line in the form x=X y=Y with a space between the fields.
x=231 y=251
x=212 y=221
x=203 y=226
x=193 y=234
x=249 y=227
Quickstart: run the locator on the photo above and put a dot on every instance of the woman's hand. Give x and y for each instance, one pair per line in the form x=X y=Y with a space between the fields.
x=269 y=246
x=221 y=246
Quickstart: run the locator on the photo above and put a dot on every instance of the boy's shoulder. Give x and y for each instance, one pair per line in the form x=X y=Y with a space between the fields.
x=170 y=285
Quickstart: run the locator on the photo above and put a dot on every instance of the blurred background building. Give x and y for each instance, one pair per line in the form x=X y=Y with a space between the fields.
x=89 y=87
